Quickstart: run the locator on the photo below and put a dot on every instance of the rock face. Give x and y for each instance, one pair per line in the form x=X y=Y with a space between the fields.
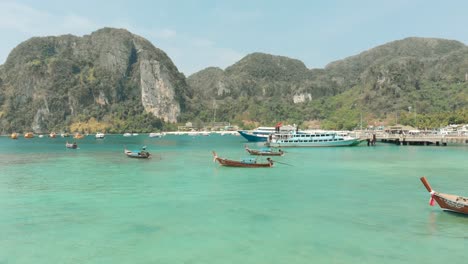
x=46 y=82
x=300 y=98
x=157 y=93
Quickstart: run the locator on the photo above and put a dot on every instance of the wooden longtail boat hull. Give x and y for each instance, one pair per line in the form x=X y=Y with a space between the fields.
x=235 y=163
x=448 y=202
x=263 y=153
x=452 y=203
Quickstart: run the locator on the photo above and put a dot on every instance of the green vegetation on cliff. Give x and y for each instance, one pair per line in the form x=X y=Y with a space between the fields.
x=426 y=78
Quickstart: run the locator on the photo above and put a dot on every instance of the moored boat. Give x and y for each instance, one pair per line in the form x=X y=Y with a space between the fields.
x=127 y=134
x=14 y=136
x=312 y=139
x=71 y=145
x=264 y=152
x=52 y=135
x=245 y=163
x=261 y=134
x=100 y=135
x=139 y=154
x=448 y=202
x=29 y=135
x=78 y=136
x=155 y=134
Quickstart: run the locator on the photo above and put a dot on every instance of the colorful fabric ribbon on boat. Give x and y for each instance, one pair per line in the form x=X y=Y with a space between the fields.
x=432 y=201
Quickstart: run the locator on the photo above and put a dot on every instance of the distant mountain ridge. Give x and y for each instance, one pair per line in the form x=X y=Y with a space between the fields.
x=424 y=74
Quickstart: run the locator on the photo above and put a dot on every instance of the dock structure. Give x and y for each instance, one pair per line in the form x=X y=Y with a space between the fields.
x=424 y=140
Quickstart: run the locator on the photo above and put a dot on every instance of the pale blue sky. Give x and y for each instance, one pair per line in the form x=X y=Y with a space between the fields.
x=199 y=34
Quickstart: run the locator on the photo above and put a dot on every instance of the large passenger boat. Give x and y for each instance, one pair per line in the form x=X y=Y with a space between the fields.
x=312 y=139
x=261 y=134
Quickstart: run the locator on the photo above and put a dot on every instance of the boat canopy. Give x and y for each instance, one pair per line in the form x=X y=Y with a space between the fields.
x=249 y=160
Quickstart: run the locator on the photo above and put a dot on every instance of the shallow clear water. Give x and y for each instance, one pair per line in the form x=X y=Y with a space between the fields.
x=321 y=205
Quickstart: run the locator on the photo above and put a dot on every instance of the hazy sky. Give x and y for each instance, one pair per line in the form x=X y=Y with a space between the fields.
x=199 y=34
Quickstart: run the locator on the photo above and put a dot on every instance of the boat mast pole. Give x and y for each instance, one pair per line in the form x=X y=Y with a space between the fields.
x=361 y=121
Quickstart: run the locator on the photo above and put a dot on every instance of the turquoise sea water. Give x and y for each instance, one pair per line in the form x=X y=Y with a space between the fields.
x=329 y=205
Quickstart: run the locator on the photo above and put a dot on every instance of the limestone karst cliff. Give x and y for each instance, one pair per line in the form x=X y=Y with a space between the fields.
x=47 y=83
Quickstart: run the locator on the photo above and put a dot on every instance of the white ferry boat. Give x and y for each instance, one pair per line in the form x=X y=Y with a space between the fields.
x=312 y=139
x=100 y=135
x=262 y=133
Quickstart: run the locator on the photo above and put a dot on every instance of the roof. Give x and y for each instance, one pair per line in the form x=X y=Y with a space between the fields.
x=400 y=127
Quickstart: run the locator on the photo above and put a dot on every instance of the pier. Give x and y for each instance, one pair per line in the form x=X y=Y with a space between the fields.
x=421 y=139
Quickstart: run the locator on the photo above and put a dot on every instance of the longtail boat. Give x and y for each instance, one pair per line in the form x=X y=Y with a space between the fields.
x=71 y=145
x=139 y=154
x=14 y=136
x=29 y=135
x=245 y=163
x=448 y=202
x=264 y=152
